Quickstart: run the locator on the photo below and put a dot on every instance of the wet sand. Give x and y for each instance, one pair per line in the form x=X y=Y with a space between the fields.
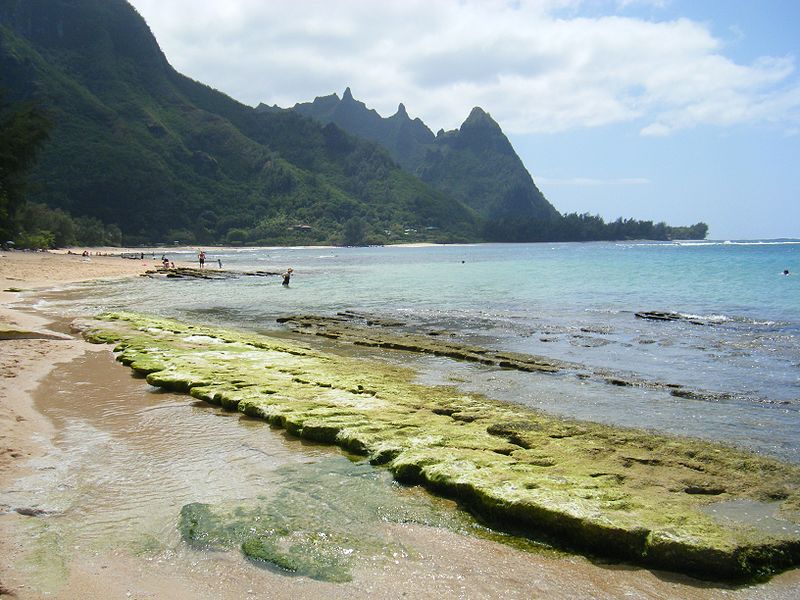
x=70 y=415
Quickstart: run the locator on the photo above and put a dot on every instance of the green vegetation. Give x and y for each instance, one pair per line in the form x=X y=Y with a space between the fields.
x=152 y=156
x=477 y=166
x=164 y=158
x=574 y=227
x=614 y=492
x=23 y=131
x=39 y=226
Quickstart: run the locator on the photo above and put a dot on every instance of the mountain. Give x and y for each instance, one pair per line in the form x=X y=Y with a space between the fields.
x=139 y=153
x=139 y=145
x=475 y=164
x=406 y=140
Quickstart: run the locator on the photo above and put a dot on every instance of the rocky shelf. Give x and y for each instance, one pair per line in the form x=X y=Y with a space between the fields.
x=612 y=492
x=372 y=332
x=210 y=273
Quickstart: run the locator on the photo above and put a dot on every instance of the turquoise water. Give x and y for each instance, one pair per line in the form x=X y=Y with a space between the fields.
x=574 y=302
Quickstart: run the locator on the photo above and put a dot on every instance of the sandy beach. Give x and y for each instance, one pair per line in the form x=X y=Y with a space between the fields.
x=30 y=348
x=34 y=350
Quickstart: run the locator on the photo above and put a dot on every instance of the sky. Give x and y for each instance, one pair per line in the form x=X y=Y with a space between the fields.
x=669 y=110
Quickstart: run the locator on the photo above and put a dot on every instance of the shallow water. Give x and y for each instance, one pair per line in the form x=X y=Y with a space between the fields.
x=574 y=302
x=127 y=458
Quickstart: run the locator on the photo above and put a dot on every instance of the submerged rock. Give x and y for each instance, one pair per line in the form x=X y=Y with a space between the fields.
x=210 y=273
x=655 y=315
x=613 y=492
x=319 y=520
x=32 y=511
x=361 y=330
x=371 y=332
x=8 y=333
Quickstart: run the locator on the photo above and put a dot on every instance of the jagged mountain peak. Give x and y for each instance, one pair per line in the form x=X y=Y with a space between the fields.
x=478 y=116
x=475 y=164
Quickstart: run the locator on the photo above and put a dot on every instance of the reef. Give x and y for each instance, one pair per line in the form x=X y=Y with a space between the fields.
x=363 y=330
x=319 y=520
x=209 y=273
x=611 y=492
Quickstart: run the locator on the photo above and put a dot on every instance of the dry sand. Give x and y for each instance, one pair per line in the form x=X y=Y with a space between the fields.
x=453 y=566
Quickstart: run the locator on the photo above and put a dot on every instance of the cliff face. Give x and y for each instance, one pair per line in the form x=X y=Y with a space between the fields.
x=475 y=164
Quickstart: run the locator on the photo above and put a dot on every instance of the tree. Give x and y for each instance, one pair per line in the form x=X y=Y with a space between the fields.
x=23 y=130
x=354 y=230
x=91 y=231
x=34 y=217
x=236 y=237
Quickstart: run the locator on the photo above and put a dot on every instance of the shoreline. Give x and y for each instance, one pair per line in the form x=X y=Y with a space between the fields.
x=34 y=358
x=612 y=492
x=31 y=347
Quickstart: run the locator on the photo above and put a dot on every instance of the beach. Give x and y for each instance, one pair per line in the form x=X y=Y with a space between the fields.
x=42 y=358
x=30 y=350
x=29 y=356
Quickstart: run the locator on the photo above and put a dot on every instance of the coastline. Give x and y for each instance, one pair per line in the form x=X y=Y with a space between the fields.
x=35 y=357
x=32 y=347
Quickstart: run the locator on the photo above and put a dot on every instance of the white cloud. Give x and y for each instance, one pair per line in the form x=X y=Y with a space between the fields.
x=629 y=3
x=533 y=68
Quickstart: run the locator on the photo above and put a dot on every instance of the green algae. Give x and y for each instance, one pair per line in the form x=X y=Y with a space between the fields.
x=320 y=522
x=614 y=492
x=45 y=560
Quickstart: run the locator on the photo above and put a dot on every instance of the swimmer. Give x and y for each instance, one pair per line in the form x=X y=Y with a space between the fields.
x=287 y=276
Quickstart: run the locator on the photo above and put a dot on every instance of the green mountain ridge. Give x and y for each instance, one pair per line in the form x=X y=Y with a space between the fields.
x=153 y=156
x=164 y=157
x=476 y=164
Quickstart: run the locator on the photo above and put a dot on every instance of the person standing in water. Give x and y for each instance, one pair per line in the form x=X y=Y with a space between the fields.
x=287 y=276
x=202 y=258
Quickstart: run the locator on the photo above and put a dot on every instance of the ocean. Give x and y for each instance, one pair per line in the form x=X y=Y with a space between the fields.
x=731 y=346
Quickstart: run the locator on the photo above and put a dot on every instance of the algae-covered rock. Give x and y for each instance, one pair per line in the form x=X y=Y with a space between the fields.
x=318 y=520
x=611 y=491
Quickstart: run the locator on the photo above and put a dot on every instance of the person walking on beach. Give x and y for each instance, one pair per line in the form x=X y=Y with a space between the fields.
x=287 y=276
x=219 y=262
x=202 y=258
